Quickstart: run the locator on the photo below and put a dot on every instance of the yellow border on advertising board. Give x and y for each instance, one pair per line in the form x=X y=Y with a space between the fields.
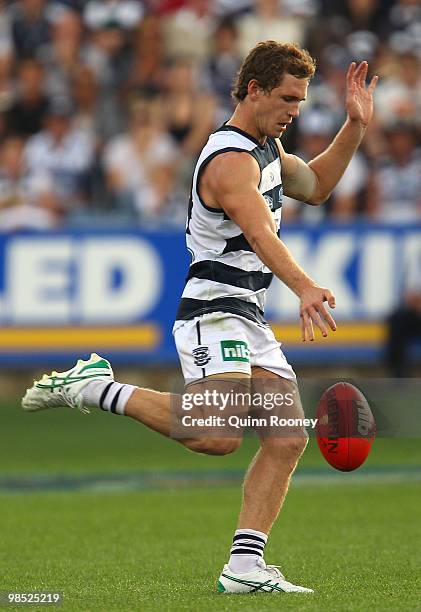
x=146 y=337
x=348 y=333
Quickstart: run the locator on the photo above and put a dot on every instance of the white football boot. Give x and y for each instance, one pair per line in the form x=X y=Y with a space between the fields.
x=265 y=578
x=64 y=388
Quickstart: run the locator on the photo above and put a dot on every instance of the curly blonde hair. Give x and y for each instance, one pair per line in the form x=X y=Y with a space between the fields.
x=268 y=61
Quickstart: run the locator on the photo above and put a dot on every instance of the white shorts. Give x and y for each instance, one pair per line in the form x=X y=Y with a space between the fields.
x=217 y=343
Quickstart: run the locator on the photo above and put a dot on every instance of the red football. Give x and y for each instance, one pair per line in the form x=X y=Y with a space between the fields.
x=345 y=427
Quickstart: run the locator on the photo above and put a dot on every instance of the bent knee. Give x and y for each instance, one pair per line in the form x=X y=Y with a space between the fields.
x=291 y=448
x=299 y=445
x=214 y=446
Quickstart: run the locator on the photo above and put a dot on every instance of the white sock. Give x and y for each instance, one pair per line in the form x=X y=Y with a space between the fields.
x=248 y=546
x=107 y=395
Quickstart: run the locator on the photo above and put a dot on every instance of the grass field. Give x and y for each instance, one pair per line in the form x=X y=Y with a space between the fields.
x=118 y=518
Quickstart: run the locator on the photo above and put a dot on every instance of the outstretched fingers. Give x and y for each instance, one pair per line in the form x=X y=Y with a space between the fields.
x=318 y=320
x=327 y=316
x=307 y=329
x=316 y=316
x=350 y=74
x=361 y=74
x=313 y=312
x=373 y=84
x=357 y=75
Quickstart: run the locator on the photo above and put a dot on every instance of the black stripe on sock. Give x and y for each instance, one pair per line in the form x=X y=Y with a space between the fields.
x=247 y=551
x=248 y=537
x=242 y=544
x=104 y=395
x=115 y=400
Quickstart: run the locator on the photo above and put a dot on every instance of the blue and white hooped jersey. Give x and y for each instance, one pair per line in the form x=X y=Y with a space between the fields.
x=225 y=274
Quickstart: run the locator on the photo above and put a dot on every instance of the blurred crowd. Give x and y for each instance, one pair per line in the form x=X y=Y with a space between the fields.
x=105 y=105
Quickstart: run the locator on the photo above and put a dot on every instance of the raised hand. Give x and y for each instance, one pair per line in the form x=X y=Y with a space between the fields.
x=359 y=97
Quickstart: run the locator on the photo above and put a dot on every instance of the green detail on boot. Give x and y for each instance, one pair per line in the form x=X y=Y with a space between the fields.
x=221 y=588
x=98 y=364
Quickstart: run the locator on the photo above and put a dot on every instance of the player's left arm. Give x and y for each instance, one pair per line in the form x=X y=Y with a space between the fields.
x=313 y=182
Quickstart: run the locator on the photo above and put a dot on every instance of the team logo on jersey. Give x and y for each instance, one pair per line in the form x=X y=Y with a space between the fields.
x=201 y=356
x=235 y=350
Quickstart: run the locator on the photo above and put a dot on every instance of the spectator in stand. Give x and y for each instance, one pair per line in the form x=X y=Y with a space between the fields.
x=328 y=90
x=27 y=200
x=231 y=8
x=30 y=27
x=220 y=68
x=269 y=20
x=404 y=324
x=64 y=52
x=140 y=164
x=189 y=112
x=399 y=93
x=394 y=193
x=64 y=152
x=95 y=114
x=71 y=61
x=342 y=32
x=401 y=26
x=26 y=114
x=148 y=60
x=187 y=31
x=359 y=14
x=111 y=25
x=127 y=14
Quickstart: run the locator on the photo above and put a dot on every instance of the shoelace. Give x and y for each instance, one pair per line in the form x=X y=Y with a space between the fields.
x=274 y=570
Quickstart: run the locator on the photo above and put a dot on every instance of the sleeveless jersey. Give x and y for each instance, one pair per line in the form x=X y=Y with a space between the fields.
x=225 y=274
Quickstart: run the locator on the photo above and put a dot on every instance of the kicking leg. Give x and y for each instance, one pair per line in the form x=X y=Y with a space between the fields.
x=91 y=384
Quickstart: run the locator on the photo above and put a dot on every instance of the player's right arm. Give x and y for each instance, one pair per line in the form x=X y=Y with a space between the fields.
x=231 y=182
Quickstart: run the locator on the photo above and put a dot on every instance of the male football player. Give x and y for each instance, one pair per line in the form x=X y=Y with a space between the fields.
x=232 y=235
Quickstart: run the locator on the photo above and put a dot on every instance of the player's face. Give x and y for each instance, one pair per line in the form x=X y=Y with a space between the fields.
x=276 y=109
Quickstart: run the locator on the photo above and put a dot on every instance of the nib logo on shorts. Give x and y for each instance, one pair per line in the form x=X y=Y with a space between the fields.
x=235 y=350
